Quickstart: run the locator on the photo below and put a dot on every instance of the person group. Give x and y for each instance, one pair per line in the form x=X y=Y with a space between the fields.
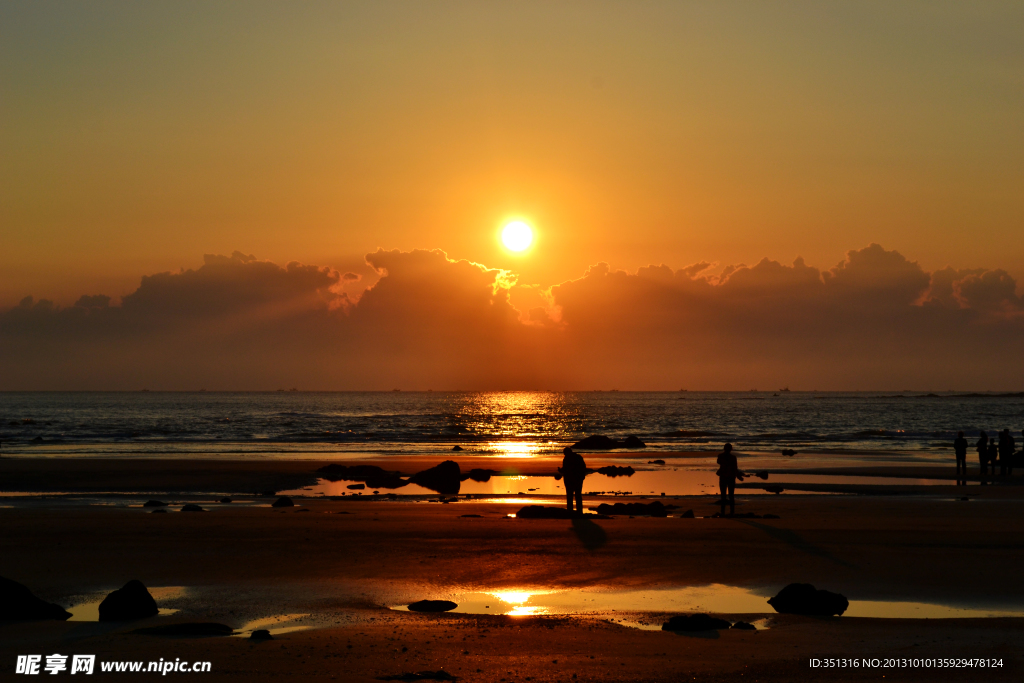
x=997 y=449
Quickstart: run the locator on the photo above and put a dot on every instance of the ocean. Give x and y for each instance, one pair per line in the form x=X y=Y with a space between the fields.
x=322 y=424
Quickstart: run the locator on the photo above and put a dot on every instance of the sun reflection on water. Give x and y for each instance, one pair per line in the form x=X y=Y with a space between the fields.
x=514 y=449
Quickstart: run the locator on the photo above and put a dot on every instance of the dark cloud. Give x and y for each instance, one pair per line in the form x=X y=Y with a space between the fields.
x=875 y=320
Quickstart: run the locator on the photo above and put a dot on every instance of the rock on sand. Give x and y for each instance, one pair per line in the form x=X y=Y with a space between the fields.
x=131 y=601
x=432 y=606
x=17 y=603
x=803 y=598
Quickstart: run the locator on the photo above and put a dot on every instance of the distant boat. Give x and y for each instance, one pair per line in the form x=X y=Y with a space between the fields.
x=396 y=390
x=683 y=390
x=786 y=389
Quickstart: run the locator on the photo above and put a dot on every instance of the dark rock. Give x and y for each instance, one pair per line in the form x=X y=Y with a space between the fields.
x=655 y=462
x=444 y=478
x=131 y=601
x=744 y=626
x=774 y=488
x=17 y=603
x=191 y=508
x=616 y=471
x=261 y=634
x=599 y=442
x=432 y=606
x=479 y=475
x=470 y=515
x=655 y=509
x=695 y=622
x=200 y=628
x=688 y=514
x=375 y=477
x=38 y=439
x=420 y=676
x=356 y=487
x=160 y=510
x=788 y=451
x=761 y=475
x=225 y=499
x=283 y=502
x=154 y=504
x=803 y=598
x=267 y=494
x=457 y=448
x=541 y=512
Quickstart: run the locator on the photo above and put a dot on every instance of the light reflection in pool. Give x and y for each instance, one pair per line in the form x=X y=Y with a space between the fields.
x=714 y=599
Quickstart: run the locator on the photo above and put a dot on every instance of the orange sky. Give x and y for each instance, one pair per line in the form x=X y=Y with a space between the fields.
x=136 y=137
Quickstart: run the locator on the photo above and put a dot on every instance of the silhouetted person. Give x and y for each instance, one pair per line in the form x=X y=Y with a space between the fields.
x=960 y=449
x=1006 y=448
x=728 y=473
x=993 y=454
x=982 y=448
x=574 y=471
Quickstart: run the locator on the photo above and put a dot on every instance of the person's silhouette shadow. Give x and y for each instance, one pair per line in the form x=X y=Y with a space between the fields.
x=590 y=534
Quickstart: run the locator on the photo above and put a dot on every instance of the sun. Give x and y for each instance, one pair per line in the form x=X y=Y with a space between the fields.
x=516 y=236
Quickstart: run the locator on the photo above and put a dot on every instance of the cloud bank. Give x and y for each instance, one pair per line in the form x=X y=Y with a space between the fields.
x=874 y=321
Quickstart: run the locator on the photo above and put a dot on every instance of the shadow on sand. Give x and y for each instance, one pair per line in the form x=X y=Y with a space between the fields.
x=794 y=540
x=590 y=534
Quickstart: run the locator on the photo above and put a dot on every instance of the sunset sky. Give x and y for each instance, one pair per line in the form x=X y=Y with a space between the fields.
x=136 y=138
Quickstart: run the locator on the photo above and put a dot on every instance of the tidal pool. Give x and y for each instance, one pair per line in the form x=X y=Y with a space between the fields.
x=713 y=599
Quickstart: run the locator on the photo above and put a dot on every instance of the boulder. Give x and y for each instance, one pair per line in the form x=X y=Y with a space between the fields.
x=788 y=451
x=599 y=442
x=695 y=622
x=541 y=512
x=480 y=475
x=616 y=471
x=154 y=504
x=374 y=477
x=200 y=628
x=443 y=478
x=283 y=502
x=655 y=462
x=131 y=601
x=261 y=634
x=432 y=606
x=225 y=499
x=17 y=603
x=774 y=488
x=688 y=514
x=457 y=448
x=191 y=508
x=803 y=598
x=356 y=487
x=655 y=509
x=744 y=626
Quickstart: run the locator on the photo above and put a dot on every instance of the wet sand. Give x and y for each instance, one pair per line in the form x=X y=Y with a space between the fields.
x=346 y=560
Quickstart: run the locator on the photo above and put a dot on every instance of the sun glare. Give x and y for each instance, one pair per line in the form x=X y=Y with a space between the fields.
x=517 y=236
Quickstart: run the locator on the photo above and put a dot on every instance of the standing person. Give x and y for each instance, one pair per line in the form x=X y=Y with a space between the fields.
x=982 y=448
x=960 y=449
x=728 y=473
x=1006 y=448
x=993 y=454
x=574 y=471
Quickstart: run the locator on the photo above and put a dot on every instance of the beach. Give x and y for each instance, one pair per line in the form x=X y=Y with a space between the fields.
x=343 y=562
